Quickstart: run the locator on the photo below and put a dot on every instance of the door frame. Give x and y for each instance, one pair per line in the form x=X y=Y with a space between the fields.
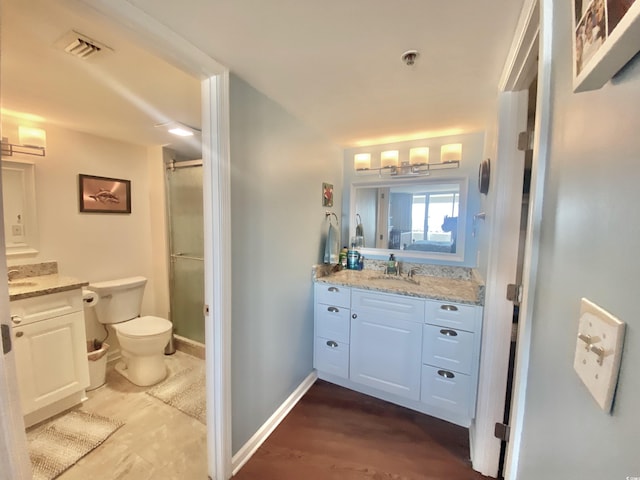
x=166 y=44
x=520 y=69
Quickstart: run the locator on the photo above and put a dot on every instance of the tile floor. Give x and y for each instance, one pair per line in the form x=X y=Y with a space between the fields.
x=156 y=442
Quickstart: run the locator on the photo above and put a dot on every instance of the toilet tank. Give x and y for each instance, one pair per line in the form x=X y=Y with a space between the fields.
x=120 y=300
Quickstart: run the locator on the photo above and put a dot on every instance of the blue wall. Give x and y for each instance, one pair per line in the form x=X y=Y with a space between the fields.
x=590 y=238
x=277 y=169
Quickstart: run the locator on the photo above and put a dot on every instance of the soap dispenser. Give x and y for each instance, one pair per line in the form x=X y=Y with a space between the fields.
x=392 y=265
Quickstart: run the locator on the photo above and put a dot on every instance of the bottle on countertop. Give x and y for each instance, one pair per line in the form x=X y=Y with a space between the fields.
x=392 y=265
x=361 y=263
x=343 y=257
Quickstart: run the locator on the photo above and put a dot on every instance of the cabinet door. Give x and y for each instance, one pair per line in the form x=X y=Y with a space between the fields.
x=385 y=354
x=51 y=360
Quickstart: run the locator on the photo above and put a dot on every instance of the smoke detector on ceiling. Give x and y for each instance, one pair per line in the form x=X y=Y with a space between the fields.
x=81 y=46
x=409 y=57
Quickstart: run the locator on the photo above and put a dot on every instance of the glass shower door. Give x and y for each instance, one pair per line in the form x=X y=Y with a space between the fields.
x=186 y=236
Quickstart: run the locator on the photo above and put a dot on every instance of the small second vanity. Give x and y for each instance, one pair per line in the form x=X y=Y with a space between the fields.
x=49 y=340
x=411 y=341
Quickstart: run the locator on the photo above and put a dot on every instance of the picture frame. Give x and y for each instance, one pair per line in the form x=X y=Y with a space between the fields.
x=103 y=194
x=327 y=194
x=605 y=38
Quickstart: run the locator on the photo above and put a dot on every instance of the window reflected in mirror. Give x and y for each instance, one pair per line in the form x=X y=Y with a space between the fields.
x=417 y=218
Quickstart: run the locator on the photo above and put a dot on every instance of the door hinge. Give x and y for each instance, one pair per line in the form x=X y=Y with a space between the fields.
x=525 y=141
x=502 y=431
x=206 y=310
x=6 y=338
x=514 y=293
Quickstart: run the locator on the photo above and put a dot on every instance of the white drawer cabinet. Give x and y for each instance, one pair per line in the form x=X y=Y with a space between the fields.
x=332 y=329
x=418 y=353
x=49 y=340
x=451 y=357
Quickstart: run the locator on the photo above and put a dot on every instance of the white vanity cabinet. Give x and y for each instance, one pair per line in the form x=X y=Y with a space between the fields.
x=386 y=342
x=419 y=353
x=48 y=335
x=332 y=329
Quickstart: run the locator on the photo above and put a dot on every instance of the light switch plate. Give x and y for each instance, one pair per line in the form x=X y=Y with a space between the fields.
x=598 y=352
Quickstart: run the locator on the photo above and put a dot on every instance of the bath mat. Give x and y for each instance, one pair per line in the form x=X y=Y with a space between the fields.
x=185 y=391
x=58 y=445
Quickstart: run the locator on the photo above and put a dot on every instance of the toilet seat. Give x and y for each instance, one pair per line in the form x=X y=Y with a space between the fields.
x=144 y=327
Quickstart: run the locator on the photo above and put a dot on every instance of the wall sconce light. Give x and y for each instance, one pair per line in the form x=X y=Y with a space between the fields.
x=362 y=161
x=451 y=153
x=33 y=141
x=419 y=156
x=389 y=159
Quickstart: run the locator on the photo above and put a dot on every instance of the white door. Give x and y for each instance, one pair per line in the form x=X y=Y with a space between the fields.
x=14 y=460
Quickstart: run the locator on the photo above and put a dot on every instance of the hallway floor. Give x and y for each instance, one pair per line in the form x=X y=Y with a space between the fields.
x=156 y=442
x=337 y=434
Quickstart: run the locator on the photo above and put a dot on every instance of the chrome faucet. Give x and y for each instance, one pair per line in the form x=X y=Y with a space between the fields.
x=11 y=274
x=412 y=272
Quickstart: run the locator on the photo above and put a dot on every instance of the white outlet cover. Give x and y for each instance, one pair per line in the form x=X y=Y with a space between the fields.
x=605 y=331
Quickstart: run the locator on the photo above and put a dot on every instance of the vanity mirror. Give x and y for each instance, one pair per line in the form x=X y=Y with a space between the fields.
x=421 y=218
x=19 y=202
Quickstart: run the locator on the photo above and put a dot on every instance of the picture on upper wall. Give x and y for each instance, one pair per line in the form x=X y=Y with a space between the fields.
x=327 y=195
x=604 y=33
x=104 y=195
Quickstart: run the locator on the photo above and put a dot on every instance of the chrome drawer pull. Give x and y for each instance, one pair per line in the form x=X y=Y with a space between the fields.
x=446 y=374
x=333 y=309
x=333 y=289
x=332 y=344
x=449 y=333
x=16 y=319
x=449 y=308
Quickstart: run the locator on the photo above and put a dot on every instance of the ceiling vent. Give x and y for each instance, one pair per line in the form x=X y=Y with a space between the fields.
x=81 y=46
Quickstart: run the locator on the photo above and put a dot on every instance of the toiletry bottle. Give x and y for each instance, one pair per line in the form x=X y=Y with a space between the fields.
x=391 y=265
x=352 y=258
x=361 y=263
x=343 y=257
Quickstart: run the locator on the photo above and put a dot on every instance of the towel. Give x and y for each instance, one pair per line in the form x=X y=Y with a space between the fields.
x=331 y=247
x=359 y=231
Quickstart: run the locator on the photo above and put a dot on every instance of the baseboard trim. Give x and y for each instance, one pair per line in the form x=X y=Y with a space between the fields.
x=249 y=448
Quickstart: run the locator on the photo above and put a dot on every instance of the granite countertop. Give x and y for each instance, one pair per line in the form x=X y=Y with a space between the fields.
x=459 y=290
x=27 y=287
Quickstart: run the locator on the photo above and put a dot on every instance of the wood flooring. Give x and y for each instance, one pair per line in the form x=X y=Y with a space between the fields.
x=336 y=433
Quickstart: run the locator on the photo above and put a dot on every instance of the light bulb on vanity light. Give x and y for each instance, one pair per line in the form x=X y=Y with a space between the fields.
x=362 y=161
x=451 y=153
x=32 y=137
x=389 y=159
x=419 y=156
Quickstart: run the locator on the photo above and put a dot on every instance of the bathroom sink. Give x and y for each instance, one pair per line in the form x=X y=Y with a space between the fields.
x=397 y=279
x=24 y=283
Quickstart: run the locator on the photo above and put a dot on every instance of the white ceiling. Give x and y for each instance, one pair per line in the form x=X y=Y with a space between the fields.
x=335 y=64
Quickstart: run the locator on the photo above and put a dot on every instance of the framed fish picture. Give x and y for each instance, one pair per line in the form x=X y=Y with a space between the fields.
x=104 y=195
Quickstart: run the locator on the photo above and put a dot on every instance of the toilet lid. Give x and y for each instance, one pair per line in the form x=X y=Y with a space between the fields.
x=144 y=326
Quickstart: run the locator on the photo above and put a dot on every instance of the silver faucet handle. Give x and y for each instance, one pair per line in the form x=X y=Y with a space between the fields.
x=412 y=272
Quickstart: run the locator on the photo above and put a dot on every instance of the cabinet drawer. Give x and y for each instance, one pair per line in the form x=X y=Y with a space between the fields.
x=383 y=305
x=335 y=295
x=448 y=348
x=332 y=322
x=34 y=309
x=452 y=315
x=447 y=390
x=332 y=357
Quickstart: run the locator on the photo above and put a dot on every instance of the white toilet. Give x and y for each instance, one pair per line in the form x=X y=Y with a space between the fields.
x=142 y=339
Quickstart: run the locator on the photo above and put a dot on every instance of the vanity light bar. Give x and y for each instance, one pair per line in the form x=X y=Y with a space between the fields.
x=8 y=149
x=408 y=170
